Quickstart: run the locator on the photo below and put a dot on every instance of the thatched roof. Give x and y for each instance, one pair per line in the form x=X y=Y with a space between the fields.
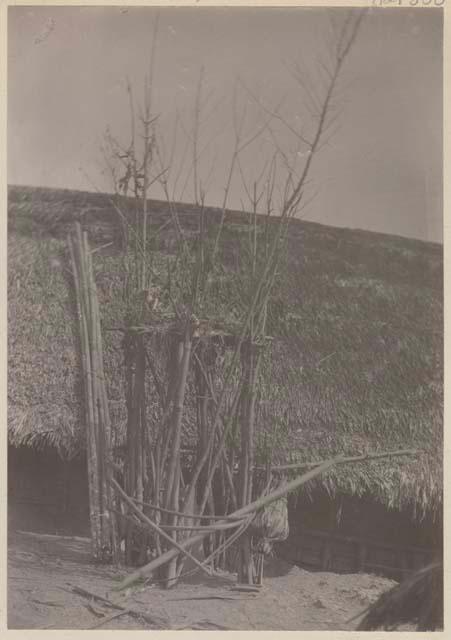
x=418 y=600
x=357 y=365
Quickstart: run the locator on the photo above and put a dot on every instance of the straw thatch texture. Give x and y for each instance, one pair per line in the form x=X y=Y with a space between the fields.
x=44 y=383
x=417 y=600
x=357 y=364
x=43 y=408
x=360 y=363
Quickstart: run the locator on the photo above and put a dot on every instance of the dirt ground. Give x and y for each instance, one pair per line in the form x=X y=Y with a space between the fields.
x=43 y=570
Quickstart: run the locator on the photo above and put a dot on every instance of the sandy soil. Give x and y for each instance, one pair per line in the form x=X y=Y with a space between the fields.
x=43 y=570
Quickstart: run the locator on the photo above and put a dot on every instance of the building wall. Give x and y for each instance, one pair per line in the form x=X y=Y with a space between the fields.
x=364 y=517
x=47 y=494
x=348 y=534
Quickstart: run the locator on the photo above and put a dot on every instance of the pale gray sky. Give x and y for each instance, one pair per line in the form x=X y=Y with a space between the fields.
x=382 y=171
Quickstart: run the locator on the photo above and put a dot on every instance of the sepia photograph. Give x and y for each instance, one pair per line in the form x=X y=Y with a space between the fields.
x=225 y=318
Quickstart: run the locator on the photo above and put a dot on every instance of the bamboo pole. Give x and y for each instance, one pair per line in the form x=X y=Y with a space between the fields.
x=177 y=417
x=220 y=448
x=361 y=458
x=134 y=477
x=89 y=392
x=97 y=426
x=84 y=347
x=140 y=391
x=106 y=421
x=108 y=520
x=129 y=466
x=212 y=528
x=174 y=471
x=250 y=358
x=229 y=477
x=183 y=514
x=208 y=528
x=202 y=368
x=175 y=359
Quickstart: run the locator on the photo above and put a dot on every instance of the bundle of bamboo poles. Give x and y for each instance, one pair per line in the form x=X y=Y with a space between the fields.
x=153 y=467
x=97 y=417
x=240 y=519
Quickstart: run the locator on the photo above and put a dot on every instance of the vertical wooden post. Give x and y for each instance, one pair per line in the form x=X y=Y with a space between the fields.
x=174 y=471
x=136 y=461
x=250 y=360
